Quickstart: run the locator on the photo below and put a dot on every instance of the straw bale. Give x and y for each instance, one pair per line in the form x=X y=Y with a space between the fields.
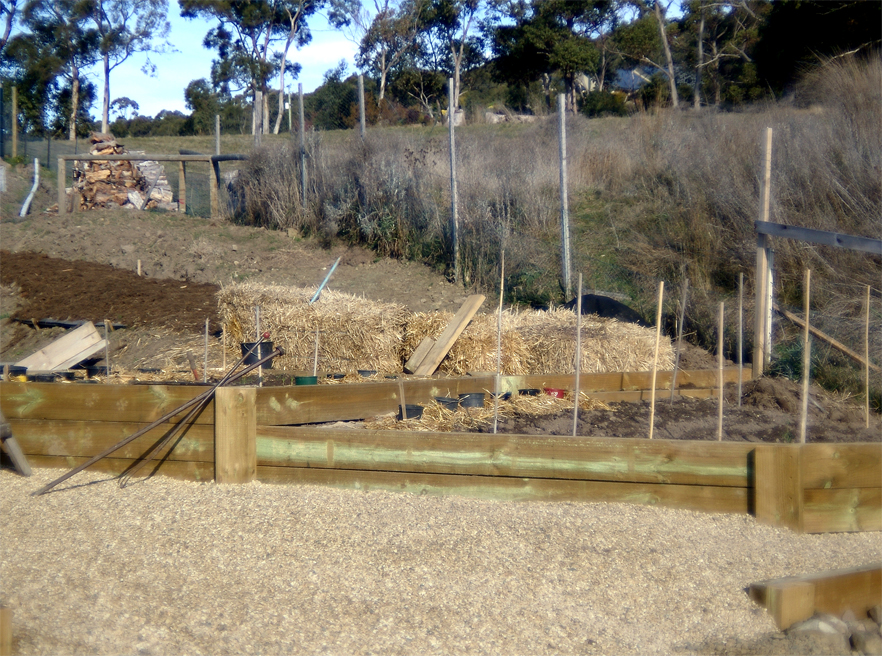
x=354 y=333
x=541 y=342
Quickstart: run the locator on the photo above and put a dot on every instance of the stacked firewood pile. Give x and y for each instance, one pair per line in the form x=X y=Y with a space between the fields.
x=120 y=183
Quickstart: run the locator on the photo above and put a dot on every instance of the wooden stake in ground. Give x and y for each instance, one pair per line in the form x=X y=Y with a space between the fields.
x=658 y=315
x=499 y=345
x=763 y=322
x=403 y=404
x=106 y=348
x=578 y=354
x=679 y=335
x=867 y=363
x=740 y=334
x=806 y=360
x=315 y=357
x=205 y=361
x=720 y=372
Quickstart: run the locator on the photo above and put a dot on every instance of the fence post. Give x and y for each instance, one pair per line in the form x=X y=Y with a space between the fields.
x=361 y=106
x=564 y=207
x=302 y=146
x=2 y=128
x=62 y=195
x=778 y=485
x=182 y=186
x=762 y=308
x=454 y=217
x=235 y=430
x=217 y=134
x=213 y=185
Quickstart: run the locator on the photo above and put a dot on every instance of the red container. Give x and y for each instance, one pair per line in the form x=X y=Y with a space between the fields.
x=557 y=393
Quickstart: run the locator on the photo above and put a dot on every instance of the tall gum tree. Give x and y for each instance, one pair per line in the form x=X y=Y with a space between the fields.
x=126 y=28
x=244 y=37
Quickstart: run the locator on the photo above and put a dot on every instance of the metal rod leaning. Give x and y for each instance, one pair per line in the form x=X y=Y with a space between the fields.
x=189 y=404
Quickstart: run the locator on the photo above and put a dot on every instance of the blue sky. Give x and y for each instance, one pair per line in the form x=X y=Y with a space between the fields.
x=192 y=61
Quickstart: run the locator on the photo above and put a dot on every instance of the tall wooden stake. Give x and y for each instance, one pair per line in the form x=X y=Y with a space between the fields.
x=720 y=372
x=454 y=217
x=578 y=354
x=658 y=316
x=13 y=124
x=217 y=148
x=806 y=360
x=740 y=333
x=867 y=362
x=683 y=295
x=564 y=207
x=205 y=361
x=499 y=345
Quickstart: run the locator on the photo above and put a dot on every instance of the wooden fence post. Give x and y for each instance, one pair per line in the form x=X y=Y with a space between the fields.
x=182 y=187
x=235 y=429
x=62 y=194
x=778 y=485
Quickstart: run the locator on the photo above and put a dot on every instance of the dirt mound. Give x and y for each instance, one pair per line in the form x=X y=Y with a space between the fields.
x=60 y=289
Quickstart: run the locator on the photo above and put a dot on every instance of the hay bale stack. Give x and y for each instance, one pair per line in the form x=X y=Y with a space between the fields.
x=607 y=344
x=354 y=333
x=541 y=342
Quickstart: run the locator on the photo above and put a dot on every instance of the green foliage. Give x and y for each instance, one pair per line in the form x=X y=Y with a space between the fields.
x=603 y=103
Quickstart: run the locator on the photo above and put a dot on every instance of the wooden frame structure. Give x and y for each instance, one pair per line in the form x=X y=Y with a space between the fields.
x=267 y=434
x=213 y=180
x=764 y=302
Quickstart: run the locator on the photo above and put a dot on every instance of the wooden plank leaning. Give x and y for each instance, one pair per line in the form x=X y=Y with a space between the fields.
x=197 y=402
x=454 y=329
x=66 y=351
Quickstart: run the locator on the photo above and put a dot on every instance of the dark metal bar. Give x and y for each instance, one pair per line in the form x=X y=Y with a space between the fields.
x=189 y=404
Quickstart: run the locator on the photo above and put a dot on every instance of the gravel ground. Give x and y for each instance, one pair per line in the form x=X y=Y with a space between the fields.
x=169 y=567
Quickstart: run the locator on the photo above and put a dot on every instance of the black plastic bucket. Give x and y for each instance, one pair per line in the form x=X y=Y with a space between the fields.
x=413 y=412
x=258 y=354
x=472 y=400
x=448 y=402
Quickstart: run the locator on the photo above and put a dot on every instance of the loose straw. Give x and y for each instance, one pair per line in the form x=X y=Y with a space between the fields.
x=720 y=373
x=679 y=335
x=661 y=293
x=257 y=339
x=806 y=360
x=578 y=354
x=499 y=344
x=867 y=363
x=740 y=333
x=224 y=345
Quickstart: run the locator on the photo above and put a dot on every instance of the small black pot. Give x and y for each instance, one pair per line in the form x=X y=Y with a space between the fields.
x=258 y=354
x=472 y=400
x=447 y=402
x=413 y=412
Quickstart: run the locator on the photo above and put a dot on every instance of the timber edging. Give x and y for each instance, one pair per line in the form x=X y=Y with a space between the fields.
x=809 y=488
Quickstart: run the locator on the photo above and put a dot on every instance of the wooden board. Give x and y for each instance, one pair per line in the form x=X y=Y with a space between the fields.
x=842 y=510
x=186 y=471
x=832 y=466
x=796 y=598
x=687 y=497
x=69 y=349
x=451 y=333
x=88 y=438
x=521 y=456
x=778 y=485
x=307 y=404
x=419 y=355
x=134 y=403
x=234 y=446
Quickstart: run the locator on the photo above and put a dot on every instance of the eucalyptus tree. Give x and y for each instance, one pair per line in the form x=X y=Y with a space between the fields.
x=454 y=24
x=59 y=43
x=244 y=37
x=543 y=38
x=126 y=28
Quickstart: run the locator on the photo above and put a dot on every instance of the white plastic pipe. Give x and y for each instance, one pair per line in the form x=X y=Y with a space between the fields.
x=27 y=203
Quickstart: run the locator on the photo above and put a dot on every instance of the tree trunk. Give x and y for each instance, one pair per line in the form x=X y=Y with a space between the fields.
x=383 y=72
x=264 y=123
x=699 y=67
x=282 y=87
x=669 y=59
x=74 y=101
x=105 y=107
